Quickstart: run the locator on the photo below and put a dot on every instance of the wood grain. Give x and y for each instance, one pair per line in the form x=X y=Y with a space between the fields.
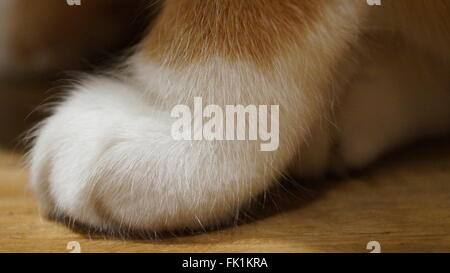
x=402 y=202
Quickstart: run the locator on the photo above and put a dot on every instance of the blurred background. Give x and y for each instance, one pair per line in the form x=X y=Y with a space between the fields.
x=45 y=41
x=403 y=201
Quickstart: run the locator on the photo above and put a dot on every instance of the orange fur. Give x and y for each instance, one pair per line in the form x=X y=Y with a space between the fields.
x=188 y=31
x=351 y=81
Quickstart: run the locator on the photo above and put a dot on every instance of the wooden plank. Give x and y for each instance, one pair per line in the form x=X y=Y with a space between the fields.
x=403 y=203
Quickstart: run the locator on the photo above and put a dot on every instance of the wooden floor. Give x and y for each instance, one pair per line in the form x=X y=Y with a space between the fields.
x=403 y=202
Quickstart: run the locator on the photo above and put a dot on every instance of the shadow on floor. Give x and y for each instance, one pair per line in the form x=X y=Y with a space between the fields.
x=18 y=104
x=290 y=194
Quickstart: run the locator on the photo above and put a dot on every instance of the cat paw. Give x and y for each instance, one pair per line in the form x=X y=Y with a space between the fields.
x=107 y=159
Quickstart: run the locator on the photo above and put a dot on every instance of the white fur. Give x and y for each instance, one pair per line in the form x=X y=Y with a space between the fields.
x=106 y=157
x=109 y=145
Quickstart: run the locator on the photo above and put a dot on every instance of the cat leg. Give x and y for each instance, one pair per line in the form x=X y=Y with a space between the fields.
x=107 y=156
x=399 y=97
